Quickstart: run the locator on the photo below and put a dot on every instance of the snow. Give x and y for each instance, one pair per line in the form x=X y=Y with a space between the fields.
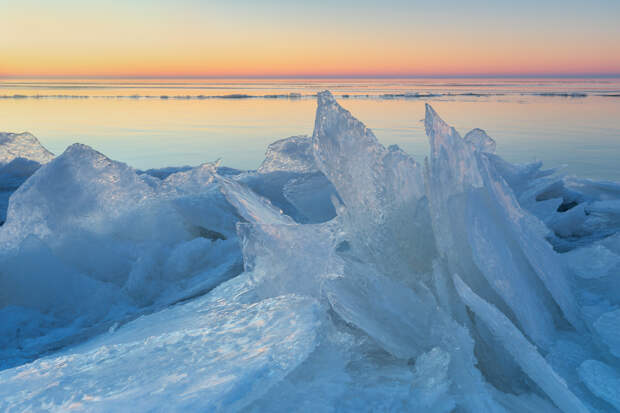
x=340 y=276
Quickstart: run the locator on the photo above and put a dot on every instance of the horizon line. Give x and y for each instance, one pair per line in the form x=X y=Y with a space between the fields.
x=328 y=76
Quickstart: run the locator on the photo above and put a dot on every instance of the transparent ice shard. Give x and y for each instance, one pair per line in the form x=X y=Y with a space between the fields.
x=484 y=234
x=311 y=195
x=249 y=205
x=381 y=189
x=480 y=140
x=22 y=145
x=206 y=355
x=526 y=355
x=292 y=154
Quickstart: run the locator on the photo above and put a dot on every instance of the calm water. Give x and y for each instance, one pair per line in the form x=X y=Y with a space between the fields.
x=573 y=123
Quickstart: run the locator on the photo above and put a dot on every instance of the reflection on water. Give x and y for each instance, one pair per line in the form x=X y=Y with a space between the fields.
x=560 y=121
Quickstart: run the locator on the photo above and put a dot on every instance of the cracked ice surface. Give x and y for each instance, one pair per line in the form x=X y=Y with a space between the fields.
x=370 y=281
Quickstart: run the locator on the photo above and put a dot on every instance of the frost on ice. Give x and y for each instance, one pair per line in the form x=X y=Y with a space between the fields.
x=340 y=276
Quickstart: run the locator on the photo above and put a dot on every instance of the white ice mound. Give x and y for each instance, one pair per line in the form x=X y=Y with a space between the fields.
x=436 y=288
x=88 y=242
x=80 y=188
x=292 y=154
x=22 y=145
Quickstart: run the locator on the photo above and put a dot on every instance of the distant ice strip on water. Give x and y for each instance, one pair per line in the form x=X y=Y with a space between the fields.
x=340 y=276
x=405 y=95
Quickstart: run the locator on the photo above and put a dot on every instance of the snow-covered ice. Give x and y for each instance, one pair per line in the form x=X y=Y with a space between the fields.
x=340 y=276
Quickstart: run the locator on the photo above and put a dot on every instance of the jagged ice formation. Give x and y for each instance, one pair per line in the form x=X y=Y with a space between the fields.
x=339 y=276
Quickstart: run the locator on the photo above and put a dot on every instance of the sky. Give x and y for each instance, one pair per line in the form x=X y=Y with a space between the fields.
x=273 y=38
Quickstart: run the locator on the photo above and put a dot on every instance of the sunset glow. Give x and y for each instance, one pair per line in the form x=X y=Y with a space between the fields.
x=277 y=38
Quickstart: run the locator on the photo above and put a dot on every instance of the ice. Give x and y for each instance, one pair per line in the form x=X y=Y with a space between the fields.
x=580 y=211
x=22 y=145
x=593 y=261
x=80 y=188
x=250 y=206
x=88 y=241
x=607 y=328
x=480 y=140
x=289 y=177
x=402 y=334
x=602 y=380
x=194 y=180
x=381 y=188
x=211 y=355
x=526 y=355
x=287 y=191
x=488 y=237
x=432 y=368
x=12 y=175
x=311 y=195
x=523 y=403
x=340 y=276
x=292 y=154
x=20 y=156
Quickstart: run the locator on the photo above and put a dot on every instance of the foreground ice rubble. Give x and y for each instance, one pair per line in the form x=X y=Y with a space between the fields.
x=370 y=282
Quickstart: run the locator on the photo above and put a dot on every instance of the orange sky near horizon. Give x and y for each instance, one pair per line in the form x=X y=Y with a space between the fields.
x=199 y=38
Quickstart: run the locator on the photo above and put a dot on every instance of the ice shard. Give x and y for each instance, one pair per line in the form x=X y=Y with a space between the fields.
x=526 y=355
x=483 y=233
x=292 y=154
x=22 y=145
x=382 y=190
x=211 y=355
x=480 y=140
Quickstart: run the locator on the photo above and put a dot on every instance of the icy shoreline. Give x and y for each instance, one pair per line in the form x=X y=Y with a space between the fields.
x=341 y=276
